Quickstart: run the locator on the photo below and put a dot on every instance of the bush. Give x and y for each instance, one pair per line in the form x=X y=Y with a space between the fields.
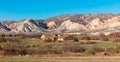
x=116 y=40
x=89 y=42
x=89 y=52
x=42 y=52
x=112 y=50
x=104 y=38
x=2 y=39
x=118 y=49
x=5 y=39
x=85 y=38
x=74 y=47
x=76 y=39
x=48 y=46
x=94 y=38
x=13 y=48
x=98 y=49
x=57 y=48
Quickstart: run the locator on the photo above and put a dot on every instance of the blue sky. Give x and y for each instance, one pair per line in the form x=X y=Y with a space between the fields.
x=42 y=9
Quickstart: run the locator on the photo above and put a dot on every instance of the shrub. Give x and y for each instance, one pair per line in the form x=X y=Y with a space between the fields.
x=74 y=47
x=2 y=35
x=116 y=40
x=85 y=38
x=118 y=49
x=112 y=50
x=104 y=38
x=57 y=48
x=89 y=42
x=48 y=46
x=13 y=48
x=40 y=52
x=89 y=52
x=107 y=53
x=2 y=39
x=98 y=49
x=76 y=39
x=94 y=38
x=23 y=51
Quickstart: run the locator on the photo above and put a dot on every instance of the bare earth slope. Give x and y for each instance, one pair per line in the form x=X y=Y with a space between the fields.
x=76 y=22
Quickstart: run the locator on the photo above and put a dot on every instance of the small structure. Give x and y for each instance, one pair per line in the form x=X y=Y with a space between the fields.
x=57 y=37
x=54 y=38
x=47 y=36
x=60 y=38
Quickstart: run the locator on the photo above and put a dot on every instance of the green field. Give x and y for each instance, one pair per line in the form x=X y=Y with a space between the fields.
x=74 y=59
x=102 y=44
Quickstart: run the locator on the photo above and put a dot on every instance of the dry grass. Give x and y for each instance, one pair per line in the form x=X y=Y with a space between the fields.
x=63 y=59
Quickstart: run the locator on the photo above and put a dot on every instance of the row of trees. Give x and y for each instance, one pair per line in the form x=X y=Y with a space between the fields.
x=114 y=35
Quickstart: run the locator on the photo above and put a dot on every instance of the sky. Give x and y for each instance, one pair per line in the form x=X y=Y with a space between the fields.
x=42 y=9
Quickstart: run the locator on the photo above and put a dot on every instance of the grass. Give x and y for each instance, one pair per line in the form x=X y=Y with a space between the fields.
x=42 y=45
x=30 y=41
x=101 y=44
x=69 y=59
